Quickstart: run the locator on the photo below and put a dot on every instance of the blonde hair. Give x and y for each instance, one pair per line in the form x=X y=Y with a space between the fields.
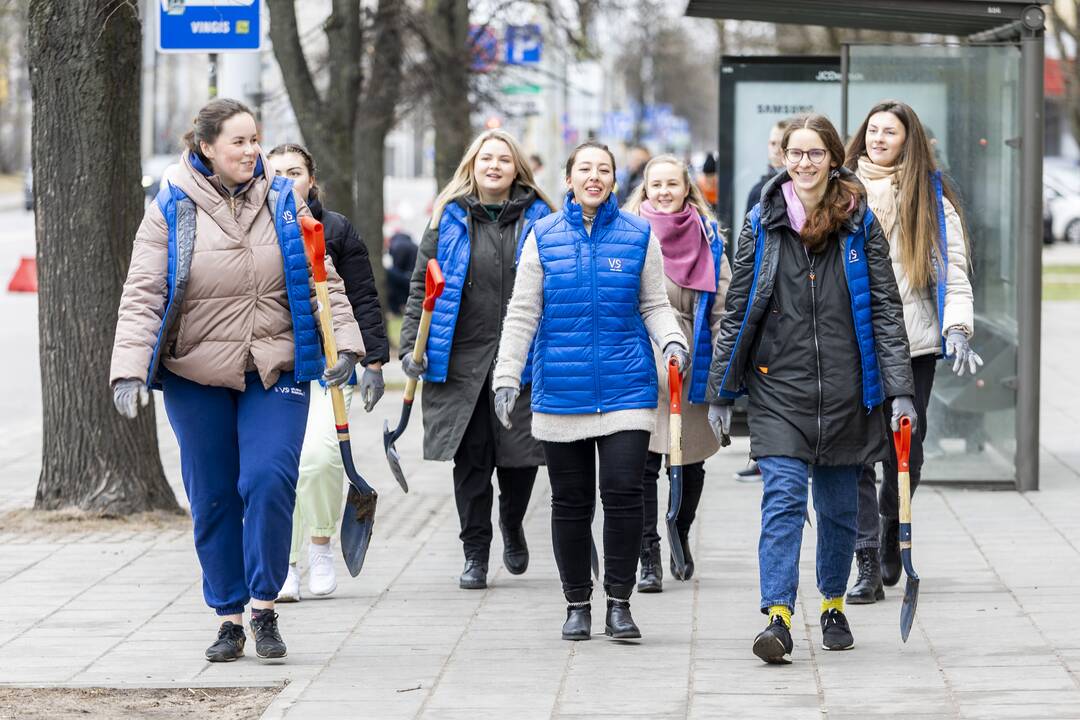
x=694 y=195
x=463 y=183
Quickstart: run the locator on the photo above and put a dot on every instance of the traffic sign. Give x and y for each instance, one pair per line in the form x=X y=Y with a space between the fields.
x=485 y=48
x=523 y=44
x=209 y=26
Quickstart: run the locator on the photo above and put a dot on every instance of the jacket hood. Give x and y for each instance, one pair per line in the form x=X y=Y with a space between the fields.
x=774 y=206
x=521 y=198
x=205 y=189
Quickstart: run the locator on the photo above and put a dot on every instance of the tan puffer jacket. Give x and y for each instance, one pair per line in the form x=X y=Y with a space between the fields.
x=698 y=440
x=235 y=313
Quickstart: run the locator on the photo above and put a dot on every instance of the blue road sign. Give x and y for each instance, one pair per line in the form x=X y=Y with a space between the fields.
x=206 y=26
x=485 y=48
x=523 y=44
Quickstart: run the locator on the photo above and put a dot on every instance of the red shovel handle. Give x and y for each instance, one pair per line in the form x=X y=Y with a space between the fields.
x=674 y=386
x=902 y=440
x=314 y=247
x=433 y=284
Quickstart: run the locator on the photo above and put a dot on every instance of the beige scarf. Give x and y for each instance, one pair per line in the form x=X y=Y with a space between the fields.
x=882 y=192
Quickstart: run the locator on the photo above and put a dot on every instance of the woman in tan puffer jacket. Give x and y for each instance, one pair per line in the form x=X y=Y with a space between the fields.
x=919 y=213
x=218 y=312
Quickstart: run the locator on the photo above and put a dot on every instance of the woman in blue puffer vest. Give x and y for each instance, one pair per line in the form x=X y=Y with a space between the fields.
x=588 y=297
x=477 y=223
x=696 y=275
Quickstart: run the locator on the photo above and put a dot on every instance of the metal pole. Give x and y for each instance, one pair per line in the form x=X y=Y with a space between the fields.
x=213 y=75
x=1029 y=256
x=845 y=66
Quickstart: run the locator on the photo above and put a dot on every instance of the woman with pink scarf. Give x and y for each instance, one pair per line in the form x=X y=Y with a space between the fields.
x=697 y=275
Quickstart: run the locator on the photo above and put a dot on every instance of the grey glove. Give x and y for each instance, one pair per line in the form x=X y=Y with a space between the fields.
x=956 y=346
x=342 y=371
x=720 y=422
x=505 y=398
x=677 y=351
x=414 y=369
x=128 y=395
x=372 y=387
x=903 y=406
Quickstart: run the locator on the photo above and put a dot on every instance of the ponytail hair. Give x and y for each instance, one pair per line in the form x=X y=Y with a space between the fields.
x=842 y=194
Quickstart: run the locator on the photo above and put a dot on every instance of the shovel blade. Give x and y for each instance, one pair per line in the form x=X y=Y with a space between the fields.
x=357 y=522
x=392 y=456
x=911 y=595
x=678 y=553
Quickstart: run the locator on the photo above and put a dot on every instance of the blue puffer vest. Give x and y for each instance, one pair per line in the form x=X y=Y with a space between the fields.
x=592 y=352
x=942 y=261
x=857 y=274
x=702 y=341
x=179 y=212
x=455 y=249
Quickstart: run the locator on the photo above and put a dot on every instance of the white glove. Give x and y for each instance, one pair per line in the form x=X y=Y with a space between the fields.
x=372 y=387
x=505 y=399
x=903 y=406
x=413 y=369
x=677 y=351
x=128 y=396
x=720 y=422
x=957 y=346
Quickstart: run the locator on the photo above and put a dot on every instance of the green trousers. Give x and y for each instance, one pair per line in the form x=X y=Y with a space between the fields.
x=320 y=490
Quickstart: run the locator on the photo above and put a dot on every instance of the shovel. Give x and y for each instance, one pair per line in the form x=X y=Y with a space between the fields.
x=359 y=516
x=678 y=554
x=433 y=287
x=902 y=439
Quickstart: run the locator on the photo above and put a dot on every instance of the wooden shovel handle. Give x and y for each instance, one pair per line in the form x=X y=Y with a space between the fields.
x=434 y=284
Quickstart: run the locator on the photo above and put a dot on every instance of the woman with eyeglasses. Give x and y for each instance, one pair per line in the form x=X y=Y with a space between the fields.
x=919 y=214
x=814 y=334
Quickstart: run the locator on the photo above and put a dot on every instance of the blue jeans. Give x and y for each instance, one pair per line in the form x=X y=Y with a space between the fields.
x=239 y=458
x=783 y=512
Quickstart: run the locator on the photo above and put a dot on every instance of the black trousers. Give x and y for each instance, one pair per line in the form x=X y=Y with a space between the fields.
x=693 y=485
x=572 y=470
x=887 y=504
x=474 y=463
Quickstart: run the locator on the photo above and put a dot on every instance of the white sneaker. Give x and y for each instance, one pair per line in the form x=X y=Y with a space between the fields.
x=290 y=591
x=322 y=580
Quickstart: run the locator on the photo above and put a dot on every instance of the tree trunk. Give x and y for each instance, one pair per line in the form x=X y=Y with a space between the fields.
x=84 y=57
x=450 y=63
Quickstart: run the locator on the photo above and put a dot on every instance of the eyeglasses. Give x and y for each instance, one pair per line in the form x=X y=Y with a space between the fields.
x=794 y=156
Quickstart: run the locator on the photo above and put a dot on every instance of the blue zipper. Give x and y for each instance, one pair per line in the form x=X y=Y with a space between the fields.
x=595 y=315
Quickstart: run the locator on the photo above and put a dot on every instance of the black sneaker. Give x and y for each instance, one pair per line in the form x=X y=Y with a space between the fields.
x=773 y=644
x=835 y=632
x=268 y=642
x=229 y=645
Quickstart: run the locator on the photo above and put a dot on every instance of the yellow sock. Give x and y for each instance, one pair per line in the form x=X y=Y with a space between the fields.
x=836 y=603
x=783 y=611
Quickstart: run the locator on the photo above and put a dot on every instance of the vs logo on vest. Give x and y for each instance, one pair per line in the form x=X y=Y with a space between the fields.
x=853 y=257
x=615 y=264
x=288 y=215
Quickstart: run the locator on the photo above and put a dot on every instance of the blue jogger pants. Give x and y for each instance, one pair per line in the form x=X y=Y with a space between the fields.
x=239 y=458
x=783 y=513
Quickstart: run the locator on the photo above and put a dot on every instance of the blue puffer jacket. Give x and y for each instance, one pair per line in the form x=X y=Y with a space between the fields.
x=702 y=340
x=592 y=353
x=179 y=213
x=453 y=255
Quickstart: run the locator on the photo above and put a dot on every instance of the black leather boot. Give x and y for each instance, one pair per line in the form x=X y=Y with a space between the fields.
x=515 y=550
x=620 y=623
x=578 y=625
x=890 y=551
x=868 y=589
x=652 y=572
x=474 y=576
x=689 y=572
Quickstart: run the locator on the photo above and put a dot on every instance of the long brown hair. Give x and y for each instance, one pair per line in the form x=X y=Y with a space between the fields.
x=841 y=192
x=917 y=199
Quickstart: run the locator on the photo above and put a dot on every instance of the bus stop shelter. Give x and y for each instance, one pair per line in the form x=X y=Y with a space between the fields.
x=980 y=92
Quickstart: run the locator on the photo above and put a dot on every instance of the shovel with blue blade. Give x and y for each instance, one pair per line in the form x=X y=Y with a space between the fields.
x=902 y=440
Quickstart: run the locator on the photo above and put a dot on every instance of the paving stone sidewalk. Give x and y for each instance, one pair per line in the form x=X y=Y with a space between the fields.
x=995 y=635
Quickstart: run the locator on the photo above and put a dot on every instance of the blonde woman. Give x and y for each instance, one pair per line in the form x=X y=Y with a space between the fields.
x=919 y=213
x=696 y=274
x=476 y=226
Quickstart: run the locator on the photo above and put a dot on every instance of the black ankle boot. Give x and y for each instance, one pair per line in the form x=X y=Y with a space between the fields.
x=474 y=576
x=652 y=573
x=689 y=571
x=890 y=551
x=515 y=550
x=620 y=623
x=868 y=588
x=578 y=625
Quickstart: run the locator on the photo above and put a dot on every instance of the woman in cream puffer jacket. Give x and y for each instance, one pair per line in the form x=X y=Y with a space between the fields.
x=919 y=213
x=218 y=311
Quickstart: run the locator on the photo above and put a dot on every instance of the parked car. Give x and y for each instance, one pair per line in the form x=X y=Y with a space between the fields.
x=1063 y=205
x=153 y=169
x=28 y=189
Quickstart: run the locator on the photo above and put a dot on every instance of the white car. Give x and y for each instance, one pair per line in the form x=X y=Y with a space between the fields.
x=1061 y=193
